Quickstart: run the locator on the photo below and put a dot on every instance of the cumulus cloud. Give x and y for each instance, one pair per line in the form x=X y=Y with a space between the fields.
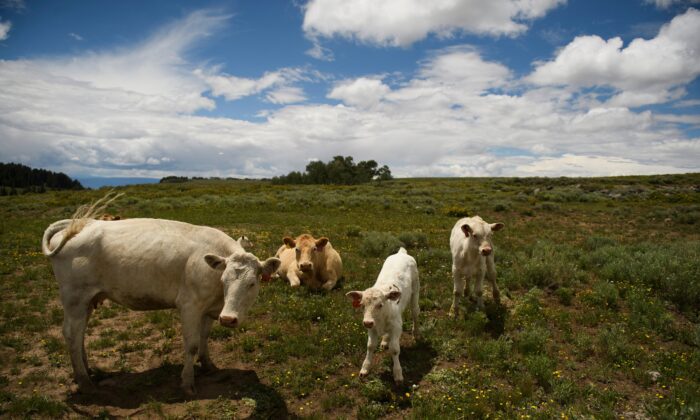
x=133 y=112
x=645 y=72
x=363 y=92
x=232 y=87
x=403 y=22
x=665 y=4
x=5 y=30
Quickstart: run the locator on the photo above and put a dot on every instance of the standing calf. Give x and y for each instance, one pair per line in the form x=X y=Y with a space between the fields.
x=472 y=257
x=383 y=304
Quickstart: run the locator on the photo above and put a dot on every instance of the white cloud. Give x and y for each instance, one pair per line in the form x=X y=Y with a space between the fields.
x=232 y=87
x=644 y=72
x=403 y=22
x=133 y=111
x=75 y=36
x=665 y=4
x=363 y=92
x=5 y=30
x=286 y=95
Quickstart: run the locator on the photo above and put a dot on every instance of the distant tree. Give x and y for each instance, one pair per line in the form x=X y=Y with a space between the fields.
x=18 y=176
x=339 y=170
x=173 y=179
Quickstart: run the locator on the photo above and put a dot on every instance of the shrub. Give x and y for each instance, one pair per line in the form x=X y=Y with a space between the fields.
x=457 y=212
x=379 y=244
x=565 y=295
x=614 y=344
x=413 y=239
x=541 y=368
x=532 y=340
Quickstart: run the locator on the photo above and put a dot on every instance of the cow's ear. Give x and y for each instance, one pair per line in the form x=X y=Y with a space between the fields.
x=497 y=226
x=269 y=267
x=356 y=298
x=466 y=229
x=393 y=295
x=321 y=243
x=289 y=242
x=216 y=262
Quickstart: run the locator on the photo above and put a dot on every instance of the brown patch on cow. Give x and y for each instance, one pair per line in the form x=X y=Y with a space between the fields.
x=109 y=217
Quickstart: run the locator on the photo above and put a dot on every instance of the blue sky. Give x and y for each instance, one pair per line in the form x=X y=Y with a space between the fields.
x=441 y=88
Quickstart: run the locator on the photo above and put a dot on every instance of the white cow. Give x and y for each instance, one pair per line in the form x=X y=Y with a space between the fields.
x=148 y=264
x=383 y=304
x=244 y=242
x=472 y=257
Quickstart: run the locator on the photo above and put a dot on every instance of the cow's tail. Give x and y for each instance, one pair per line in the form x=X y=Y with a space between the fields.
x=75 y=224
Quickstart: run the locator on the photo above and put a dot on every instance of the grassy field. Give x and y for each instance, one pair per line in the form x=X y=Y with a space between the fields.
x=600 y=315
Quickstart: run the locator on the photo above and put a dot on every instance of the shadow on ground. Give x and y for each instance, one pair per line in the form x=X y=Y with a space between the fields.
x=162 y=385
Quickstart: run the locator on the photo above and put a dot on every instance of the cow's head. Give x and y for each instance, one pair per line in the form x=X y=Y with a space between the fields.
x=308 y=250
x=479 y=233
x=373 y=302
x=241 y=274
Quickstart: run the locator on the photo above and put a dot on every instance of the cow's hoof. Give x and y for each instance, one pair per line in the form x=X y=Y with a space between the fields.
x=209 y=367
x=398 y=382
x=189 y=390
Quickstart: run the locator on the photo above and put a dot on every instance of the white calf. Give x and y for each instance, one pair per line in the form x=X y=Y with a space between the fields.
x=472 y=256
x=383 y=304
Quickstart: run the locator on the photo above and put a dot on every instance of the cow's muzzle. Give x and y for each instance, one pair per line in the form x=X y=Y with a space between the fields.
x=228 y=321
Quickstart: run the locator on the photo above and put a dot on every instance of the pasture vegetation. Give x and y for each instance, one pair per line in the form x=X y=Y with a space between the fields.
x=600 y=314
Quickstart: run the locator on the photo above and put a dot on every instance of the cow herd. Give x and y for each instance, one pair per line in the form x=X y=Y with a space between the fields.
x=147 y=264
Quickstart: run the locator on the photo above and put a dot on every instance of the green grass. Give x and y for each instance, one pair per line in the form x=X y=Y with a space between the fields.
x=599 y=281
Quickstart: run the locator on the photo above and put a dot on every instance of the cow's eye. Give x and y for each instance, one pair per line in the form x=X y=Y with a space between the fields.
x=380 y=306
x=251 y=285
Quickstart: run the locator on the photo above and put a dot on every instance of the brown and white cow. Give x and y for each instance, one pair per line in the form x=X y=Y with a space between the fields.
x=310 y=261
x=147 y=264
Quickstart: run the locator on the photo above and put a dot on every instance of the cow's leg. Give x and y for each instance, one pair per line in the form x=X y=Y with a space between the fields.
x=385 y=342
x=372 y=338
x=415 y=309
x=491 y=276
x=394 y=351
x=293 y=278
x=74 y=323
x=478 y=286
x=204 y=359
x=332 y=280
x=458 y=291
x=191 y=324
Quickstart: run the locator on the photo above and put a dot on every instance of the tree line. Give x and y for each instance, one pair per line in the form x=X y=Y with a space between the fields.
x=16 y=178
x=339 y=170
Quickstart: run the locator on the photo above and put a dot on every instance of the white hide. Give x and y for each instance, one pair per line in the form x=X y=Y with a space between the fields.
x=244 y=242
x=147 y=264
x=383 y=305
x=472 y=257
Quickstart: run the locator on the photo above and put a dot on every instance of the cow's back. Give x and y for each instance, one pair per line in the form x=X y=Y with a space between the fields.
x=141 y=263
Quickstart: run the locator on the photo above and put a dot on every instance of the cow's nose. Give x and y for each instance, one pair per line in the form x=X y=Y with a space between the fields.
x=486 y=251
x=368 y=324
x=228 y=321
x=305 y=266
